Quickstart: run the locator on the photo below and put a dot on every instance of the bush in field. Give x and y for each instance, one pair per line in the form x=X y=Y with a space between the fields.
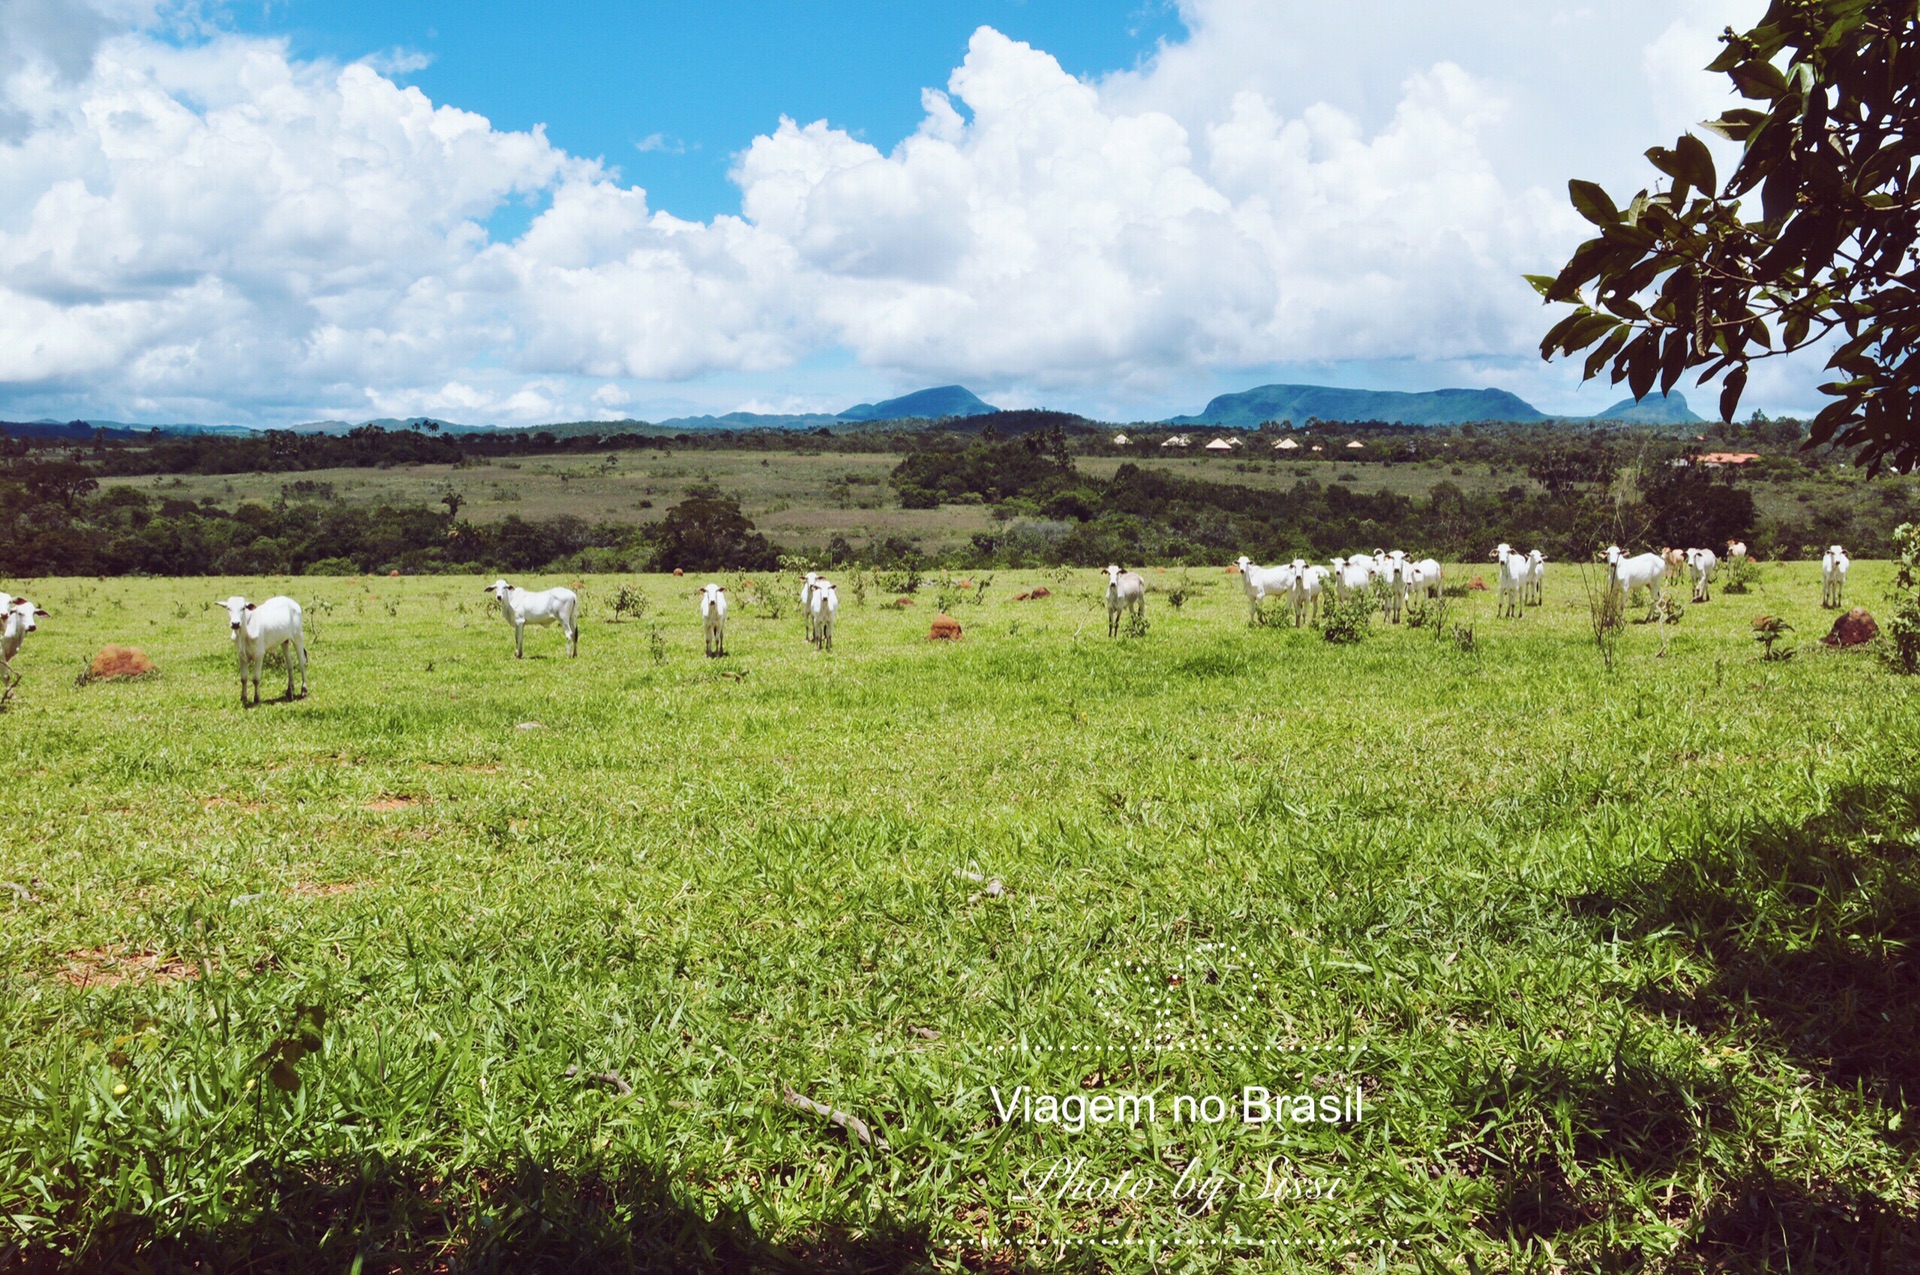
x=1345 y=622
x=1742 y=575
x=630 y=601
x=1899 y=643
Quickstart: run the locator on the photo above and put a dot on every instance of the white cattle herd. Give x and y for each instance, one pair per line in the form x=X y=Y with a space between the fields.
x=261 y=628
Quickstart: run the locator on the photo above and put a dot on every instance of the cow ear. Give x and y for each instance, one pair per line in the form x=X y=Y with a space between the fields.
x=38 y=611
x=249 y=606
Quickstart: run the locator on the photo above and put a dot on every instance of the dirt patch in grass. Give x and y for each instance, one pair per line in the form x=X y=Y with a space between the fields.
x=328 y=890
x=110 y=967
x=392 y=803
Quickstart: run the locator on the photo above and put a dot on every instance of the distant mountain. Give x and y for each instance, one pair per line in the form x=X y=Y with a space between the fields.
x=946 y=400
x=1298 y=402
x=1654 y=409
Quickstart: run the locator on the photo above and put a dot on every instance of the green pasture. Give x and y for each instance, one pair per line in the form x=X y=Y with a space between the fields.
x=468 y=963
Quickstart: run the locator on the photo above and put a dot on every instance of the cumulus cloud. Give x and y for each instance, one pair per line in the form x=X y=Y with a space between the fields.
x=214 y=227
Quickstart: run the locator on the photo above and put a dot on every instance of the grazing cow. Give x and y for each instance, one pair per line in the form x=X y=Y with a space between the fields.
x=1736 y=551
x=18 y=619
x=1642 y=571
x=826 y=605
x=1309 y=582
x=1536 y=578
x=257 y=630
x=713 y=618
x=522 y=607
x=1701 y=564
x=1431 y=583
x=1262 y=583
x=1513 y=580
x=1833 y=575
x=1126 y=591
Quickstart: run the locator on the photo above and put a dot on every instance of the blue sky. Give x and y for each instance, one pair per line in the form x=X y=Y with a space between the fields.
x=668 y=92
x=272 y=214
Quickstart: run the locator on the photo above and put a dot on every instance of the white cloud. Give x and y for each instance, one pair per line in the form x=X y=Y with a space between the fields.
x=216 y=228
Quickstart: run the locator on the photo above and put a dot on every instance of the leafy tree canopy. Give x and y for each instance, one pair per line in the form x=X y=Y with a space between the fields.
x=1692 y=276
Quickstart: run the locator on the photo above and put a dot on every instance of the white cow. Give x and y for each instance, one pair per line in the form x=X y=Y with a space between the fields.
x=1701 y=564
x=17 y=620
x=257 y=630
x=807 y=584
x=1736 y=551
x=1394 y=569
x=1309 y=582
x=522 y=607
x=1833 y=575
x=713 y=618
x=826 y=605
x=1264 y=582
x=1432 y=585
x=1126 y=591
x=1513 y=580
x=1536 y=578
x=1642 y=571
x=1351 y=576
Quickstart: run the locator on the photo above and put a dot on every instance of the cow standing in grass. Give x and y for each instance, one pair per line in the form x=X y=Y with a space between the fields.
x=16 y=621
x=1126 y=591
x=257 y=630
x=713 y=619
x=522 y=607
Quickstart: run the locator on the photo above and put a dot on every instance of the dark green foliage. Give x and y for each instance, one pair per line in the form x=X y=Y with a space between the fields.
x=709 y=533
x=1691 y=506
x=1693 y=277
x=1034 y=467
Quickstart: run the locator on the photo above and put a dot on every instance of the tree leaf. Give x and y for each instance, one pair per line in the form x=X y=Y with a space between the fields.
x=1730 y=391
x=1593 y=203
x=1643 y=364
x=283 y=1075
x=1759 y=81
x=1695 y=162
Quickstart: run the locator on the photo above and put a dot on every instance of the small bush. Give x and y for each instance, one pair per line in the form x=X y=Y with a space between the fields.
x=1345 y=622
x=1768 y=630
x=1182 y=590
x=1137 y=624
x=1462 y=635
x=1742 y=574
x=629 y=601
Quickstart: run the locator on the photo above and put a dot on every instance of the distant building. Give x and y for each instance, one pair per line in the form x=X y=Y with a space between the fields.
x=1120 y=440
x=1356 y=443
x=1285 y=445
x=1179 y=440
x=1728 y=458
x=1222 y=445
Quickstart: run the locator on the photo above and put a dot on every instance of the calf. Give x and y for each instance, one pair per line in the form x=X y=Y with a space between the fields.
x=1126 y=591
x=807 y=583
x=1736 y=551
x=1351 y=576
x=522 y=607
x=1536 y=578
x=1833 y=575
x=713 y=618
x=257 y=630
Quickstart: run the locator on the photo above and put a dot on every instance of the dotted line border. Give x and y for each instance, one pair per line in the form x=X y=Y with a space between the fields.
x=1077 y=1241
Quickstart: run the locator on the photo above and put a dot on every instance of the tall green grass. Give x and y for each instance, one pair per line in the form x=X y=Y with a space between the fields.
x=1621 y=962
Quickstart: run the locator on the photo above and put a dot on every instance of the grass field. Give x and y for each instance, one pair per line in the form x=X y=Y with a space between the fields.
x=1621 y=964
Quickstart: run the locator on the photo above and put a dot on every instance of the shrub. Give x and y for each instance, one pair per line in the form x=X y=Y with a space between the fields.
x=1767 y=630
x=1346 y=622
x=628 y=600
x=1741 y=576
